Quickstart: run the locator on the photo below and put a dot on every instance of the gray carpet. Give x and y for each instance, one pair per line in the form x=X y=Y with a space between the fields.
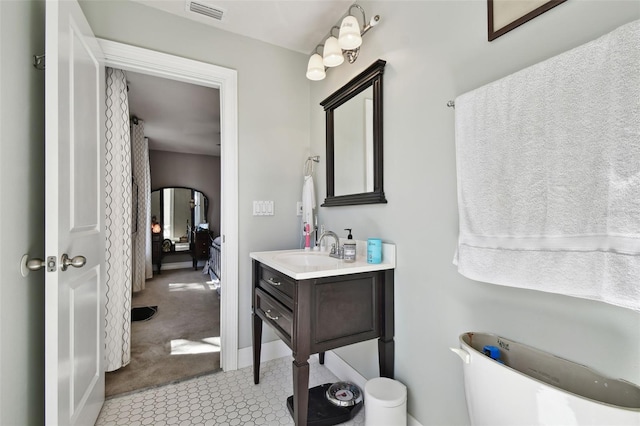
x=180 y=341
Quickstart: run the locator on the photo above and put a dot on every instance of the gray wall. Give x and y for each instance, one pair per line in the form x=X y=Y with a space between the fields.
x=201 y=172
x=436 y=50
x=21 y=213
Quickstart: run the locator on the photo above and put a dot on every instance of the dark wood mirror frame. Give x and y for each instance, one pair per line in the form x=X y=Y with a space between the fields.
x=371 y=77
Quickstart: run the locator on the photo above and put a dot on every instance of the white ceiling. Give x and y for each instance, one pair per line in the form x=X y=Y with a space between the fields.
x=297 y=25
x=181 y=117
x=178 y=117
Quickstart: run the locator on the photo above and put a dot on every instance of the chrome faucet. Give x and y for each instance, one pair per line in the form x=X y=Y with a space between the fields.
x=335 y=248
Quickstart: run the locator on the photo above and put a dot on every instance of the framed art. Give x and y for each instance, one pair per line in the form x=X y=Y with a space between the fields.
x=505 y=15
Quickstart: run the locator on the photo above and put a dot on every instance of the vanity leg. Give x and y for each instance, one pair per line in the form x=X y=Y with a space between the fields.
x=321 y=358
x=257 y=346
x=386 y=352
x=386 y=345
x=300 y=392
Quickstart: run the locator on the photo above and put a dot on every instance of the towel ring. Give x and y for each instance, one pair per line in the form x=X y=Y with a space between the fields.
x=308 y=165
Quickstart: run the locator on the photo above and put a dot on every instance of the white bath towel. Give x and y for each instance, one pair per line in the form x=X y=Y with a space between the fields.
x=548 y=166
x=308 y=201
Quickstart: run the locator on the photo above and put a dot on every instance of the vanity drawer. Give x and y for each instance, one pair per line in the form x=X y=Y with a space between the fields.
x=277 y=285
x=275 y=314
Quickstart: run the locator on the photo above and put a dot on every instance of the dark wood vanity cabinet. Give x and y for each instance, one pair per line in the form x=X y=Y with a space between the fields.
x=156 y=250
x=199 y=247
x=316 y=315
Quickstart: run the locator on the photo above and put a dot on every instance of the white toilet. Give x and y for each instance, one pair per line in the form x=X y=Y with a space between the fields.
x=522 y=385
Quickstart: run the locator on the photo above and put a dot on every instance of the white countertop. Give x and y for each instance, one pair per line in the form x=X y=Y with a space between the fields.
x=330 y=267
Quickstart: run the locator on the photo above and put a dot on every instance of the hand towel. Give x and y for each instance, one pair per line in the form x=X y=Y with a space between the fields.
x=548 y=167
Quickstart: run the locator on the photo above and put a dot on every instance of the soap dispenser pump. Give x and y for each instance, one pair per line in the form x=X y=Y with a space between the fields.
x=349 y=247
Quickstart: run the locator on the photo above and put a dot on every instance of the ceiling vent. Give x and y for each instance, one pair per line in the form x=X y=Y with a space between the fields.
x=204 y=9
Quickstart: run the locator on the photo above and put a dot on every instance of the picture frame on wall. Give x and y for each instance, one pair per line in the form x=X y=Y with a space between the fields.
x=505 y=15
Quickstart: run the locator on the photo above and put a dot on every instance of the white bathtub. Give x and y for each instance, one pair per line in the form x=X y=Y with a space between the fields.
x=532 y=387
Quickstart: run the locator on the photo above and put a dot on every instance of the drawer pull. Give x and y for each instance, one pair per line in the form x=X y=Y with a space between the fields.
x=271 y=317
x=272 y=282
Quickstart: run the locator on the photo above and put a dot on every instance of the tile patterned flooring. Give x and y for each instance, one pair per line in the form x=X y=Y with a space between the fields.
x=228 y=398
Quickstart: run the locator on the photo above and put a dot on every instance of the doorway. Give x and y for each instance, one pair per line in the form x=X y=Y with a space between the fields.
x=175 y=320
x=130 y=58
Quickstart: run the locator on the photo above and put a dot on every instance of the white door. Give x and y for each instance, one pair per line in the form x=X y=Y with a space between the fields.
x=74 y=212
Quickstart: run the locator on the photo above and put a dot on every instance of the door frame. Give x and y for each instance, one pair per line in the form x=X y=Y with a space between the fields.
x=145 y=61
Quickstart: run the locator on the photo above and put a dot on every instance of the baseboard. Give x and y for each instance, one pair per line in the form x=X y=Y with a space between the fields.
x=411 y=421
x=335 y=364
x=177 y=265
x=271 y=350
x=342 y=370
x=345 y=372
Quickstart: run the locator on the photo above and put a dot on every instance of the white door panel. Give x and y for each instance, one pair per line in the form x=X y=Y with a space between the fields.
x=74 y=225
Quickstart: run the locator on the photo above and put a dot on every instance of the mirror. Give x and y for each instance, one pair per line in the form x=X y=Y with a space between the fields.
x=354 y=140
x=175 y=210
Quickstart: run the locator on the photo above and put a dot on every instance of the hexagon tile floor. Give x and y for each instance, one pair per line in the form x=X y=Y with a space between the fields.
x=228 y=398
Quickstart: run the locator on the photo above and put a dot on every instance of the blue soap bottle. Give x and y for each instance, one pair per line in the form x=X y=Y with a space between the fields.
x=374 y=250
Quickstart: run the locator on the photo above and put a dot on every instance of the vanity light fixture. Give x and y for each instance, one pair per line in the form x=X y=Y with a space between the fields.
x=348 y=43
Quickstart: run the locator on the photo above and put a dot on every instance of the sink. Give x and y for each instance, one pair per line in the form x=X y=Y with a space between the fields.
x=308 y=259
x=306 y=264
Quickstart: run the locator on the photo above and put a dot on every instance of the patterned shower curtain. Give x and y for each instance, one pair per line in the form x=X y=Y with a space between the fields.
x=118 y=222
x=142 y=267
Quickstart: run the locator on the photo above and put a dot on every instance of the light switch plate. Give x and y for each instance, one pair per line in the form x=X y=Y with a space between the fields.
x=299 y=208
x=263 y=208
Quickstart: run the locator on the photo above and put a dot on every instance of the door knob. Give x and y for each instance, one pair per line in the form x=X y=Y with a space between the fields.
x=35 y=264
x=76 y=262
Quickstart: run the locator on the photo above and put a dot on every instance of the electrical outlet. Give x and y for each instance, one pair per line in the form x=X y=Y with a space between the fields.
x=299 y=208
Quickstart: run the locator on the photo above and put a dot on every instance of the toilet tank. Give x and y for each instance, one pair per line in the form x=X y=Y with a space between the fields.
x=527 y=386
